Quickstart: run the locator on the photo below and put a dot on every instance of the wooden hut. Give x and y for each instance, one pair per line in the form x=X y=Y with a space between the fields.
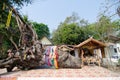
x=90 y=46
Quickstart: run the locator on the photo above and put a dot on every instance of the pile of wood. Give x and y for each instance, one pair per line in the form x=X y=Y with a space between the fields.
x=92 y=60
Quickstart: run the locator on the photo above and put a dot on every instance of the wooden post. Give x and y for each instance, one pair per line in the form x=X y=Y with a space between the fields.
x=82 y=57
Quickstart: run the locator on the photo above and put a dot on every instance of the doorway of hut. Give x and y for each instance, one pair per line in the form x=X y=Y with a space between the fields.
x=87 y=52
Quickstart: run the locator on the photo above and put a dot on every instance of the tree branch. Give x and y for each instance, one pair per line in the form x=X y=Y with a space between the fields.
x=11 y=39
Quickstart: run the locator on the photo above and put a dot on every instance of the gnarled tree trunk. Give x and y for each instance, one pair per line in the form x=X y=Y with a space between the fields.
x=66 y=60
x=29 y=53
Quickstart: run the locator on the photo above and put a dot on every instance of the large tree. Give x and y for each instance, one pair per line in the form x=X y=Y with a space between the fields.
x=70 y=31
x=103 y=28
x=41 y=29
x=68 y=34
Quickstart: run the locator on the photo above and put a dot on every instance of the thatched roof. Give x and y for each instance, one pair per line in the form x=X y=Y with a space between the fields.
x=91 y=43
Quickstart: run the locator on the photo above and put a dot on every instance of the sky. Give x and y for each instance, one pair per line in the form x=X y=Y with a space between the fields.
x=52 y=12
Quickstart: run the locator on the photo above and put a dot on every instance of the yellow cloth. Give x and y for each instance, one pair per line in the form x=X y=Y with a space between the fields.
x=55 y=58
x=9 y=19
x=25 y=55
x=55 y=63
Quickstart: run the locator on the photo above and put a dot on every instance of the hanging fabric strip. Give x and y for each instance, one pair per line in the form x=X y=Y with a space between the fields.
x=9 y=19
x=55 y=57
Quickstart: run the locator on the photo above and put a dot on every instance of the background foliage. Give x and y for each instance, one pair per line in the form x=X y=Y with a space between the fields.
x=75 y=30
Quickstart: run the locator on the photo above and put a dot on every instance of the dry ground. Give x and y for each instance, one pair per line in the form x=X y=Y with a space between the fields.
x=86 y=71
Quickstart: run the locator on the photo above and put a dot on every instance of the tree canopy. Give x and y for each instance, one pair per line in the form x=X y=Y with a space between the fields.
x=17 y=3
x=75 y=30
x=69 y=31
x=41 y=29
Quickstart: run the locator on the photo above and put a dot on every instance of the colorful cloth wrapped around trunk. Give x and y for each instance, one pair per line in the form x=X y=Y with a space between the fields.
x=47 y=53
x=51 y=56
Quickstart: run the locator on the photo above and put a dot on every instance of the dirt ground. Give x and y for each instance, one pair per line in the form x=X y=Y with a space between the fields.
x=86 y=71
